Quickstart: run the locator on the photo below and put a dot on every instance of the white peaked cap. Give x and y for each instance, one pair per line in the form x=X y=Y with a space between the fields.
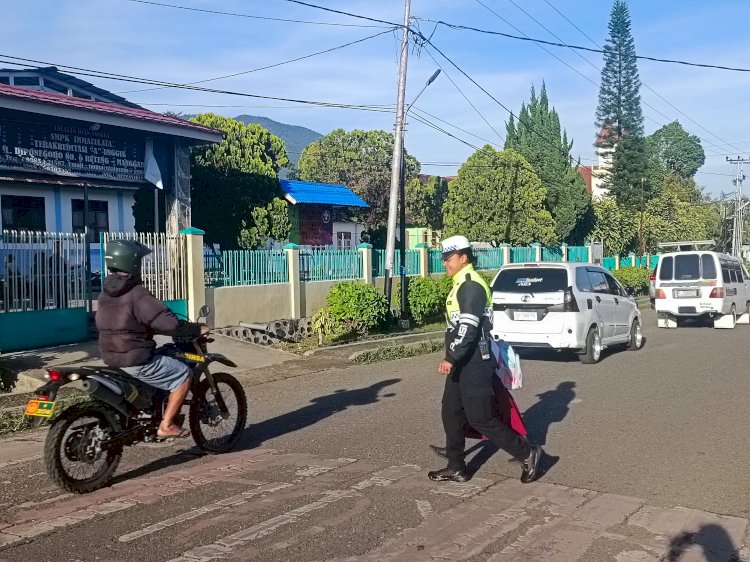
x=455 y=243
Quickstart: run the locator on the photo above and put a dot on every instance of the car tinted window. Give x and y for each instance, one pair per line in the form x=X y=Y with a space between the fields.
x=725 y=275
x=598 y=281
x=614 y=286
x=687 y=267
x=709 y=266
x=733 y=273
x=665 y=273
x=582 y=281
x=531 y=280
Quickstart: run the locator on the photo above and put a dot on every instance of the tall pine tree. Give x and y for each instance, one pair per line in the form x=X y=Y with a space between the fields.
x=539 y=138
x=619 y=114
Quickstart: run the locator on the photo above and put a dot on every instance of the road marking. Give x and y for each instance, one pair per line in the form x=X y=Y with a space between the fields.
x=425 y=508
x=224 y=547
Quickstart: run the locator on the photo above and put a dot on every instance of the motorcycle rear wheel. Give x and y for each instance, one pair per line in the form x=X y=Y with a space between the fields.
x=205 y=416
x=73 y=454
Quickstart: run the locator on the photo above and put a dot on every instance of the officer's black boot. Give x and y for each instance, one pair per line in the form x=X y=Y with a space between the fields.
x=445 y=474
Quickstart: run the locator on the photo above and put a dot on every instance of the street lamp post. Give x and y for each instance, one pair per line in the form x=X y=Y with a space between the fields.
x=403 y=317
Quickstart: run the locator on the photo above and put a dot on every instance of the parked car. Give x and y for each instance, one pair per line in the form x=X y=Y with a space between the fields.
x=564 y=306
x=701 y=285
x=652 y=287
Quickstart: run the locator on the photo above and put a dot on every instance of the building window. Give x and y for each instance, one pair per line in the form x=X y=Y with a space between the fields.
x=4 y=79
x=344 y=240
x=98 y=217
x=23 y=213
x=55 y=87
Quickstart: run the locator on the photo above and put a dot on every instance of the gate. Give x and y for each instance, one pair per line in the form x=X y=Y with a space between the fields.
x=43 y=289
x=164 y=271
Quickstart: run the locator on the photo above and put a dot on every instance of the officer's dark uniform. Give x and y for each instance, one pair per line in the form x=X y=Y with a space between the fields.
x=469 y=394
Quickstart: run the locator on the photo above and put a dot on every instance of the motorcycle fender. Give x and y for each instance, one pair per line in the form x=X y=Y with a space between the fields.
x=219 y=358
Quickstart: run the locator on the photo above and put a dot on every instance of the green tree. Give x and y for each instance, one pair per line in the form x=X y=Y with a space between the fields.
x=269 y=222
x=424 y=202
x=619 y=114
x=538 y=137
x=676 y=150
x=498 y=197
x=615 y=227
x=232 y=177
x=360 y=160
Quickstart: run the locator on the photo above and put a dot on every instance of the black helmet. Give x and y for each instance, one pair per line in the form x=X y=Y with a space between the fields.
x=125 y=255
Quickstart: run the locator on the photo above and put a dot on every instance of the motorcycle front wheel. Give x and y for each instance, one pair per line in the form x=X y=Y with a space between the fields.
x=213 y=431
x=76 y=454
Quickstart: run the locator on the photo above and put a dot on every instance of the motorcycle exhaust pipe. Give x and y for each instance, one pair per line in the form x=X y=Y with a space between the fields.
x=101 y=391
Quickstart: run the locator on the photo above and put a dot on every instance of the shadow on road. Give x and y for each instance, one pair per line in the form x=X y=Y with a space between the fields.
x=717 y=545
x=552 y=407
x=319 y=409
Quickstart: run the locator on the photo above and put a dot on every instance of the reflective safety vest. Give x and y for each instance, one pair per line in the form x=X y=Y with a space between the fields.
x=452 y=308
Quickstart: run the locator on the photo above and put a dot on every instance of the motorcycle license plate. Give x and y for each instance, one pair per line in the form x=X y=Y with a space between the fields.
x=41 y=408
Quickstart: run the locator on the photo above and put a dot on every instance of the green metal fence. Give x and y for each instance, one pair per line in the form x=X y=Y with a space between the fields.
x=435 y=261
x=520 y=254
x=609 y=263
x=412 y=263
x=251 y=267
x=489 y=258
x=330 y=265
x=551 y=254
x=578 y=254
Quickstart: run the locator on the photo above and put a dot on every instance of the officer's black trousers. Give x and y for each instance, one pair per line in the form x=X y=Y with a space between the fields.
x=472 y=400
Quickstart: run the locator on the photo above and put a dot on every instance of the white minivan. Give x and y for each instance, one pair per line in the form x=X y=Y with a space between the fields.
x=701 y=284
x=579 y=307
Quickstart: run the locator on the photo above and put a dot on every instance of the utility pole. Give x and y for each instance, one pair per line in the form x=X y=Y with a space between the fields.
x=641 y=242
x=398 y=156
x=737 y=230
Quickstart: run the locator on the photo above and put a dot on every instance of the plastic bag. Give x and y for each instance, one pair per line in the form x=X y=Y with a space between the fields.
x=508 y=367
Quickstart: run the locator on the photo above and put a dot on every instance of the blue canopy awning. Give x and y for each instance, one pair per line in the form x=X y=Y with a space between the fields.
x=314 y=193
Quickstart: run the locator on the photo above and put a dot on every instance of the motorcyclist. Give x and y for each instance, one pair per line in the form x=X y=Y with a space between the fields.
x=127 y=318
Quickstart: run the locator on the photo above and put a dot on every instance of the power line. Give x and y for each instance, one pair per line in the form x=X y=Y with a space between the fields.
x=349 y=44
x=455 y=126
x=133 y=79
x=358 y=16
x=460 y=27
x=250 y=16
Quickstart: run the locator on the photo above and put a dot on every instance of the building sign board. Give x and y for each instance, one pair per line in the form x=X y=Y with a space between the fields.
x=73 y=151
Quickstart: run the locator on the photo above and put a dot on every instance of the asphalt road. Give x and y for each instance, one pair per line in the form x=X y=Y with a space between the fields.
x=334 y=467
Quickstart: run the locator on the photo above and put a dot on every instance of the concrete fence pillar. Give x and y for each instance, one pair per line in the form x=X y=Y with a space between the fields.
x=365 y=252
x=196 y=282
x=590 y=249
x=617 y=261
x=537 y=251
x=632 y=260
x=506 y=253
x=295 y=289
x=564 y=250
x=424 y=260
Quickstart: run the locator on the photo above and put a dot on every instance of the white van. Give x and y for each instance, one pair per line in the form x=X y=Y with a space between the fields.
x=579 y=307
x=697 y=284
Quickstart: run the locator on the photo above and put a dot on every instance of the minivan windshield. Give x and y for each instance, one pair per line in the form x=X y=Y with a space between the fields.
x=531 y=280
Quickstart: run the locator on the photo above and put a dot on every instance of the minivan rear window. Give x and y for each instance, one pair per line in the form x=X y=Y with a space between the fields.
x=666 y=272
x=709 y=266
x=531 y=280
x=687 y=267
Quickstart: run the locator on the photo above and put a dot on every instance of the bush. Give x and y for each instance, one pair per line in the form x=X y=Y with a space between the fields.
x=357 y=306
x=635 y=278
x=426 y=299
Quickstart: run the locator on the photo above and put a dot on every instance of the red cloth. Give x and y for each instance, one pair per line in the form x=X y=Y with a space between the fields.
x=507 y=412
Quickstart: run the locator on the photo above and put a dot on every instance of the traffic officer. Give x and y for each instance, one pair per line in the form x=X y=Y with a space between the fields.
x=469 y=368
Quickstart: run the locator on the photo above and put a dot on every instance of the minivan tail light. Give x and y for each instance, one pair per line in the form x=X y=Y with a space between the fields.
x=717 y=293
x=660 y=294
x=569 y=301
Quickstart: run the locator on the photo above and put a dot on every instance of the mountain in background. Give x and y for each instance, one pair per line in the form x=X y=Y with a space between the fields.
x=295 y=138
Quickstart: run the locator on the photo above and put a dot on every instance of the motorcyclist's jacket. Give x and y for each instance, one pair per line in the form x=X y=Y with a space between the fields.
x=127 y=318
x=469 y=315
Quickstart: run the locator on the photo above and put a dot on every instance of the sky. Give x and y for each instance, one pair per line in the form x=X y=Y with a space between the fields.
x=181 y=46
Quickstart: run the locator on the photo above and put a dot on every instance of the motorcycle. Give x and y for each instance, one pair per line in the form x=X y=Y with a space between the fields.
x=85 y=442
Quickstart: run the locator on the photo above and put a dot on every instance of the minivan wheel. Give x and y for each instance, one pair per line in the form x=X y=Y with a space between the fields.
x=636 y=336
x=593 y=347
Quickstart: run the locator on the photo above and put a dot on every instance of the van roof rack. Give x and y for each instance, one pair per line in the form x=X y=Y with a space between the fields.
x=688 y=246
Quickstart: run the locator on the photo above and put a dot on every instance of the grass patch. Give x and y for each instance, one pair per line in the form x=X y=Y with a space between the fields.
x=10 y=422
x=389 y=353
